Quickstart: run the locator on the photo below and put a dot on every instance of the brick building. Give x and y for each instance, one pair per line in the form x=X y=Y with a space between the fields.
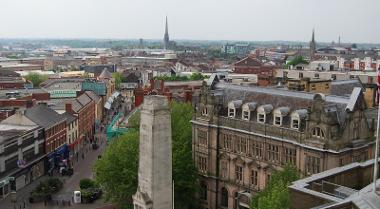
x=250 y=65
x=241 y=135
x=82 y=107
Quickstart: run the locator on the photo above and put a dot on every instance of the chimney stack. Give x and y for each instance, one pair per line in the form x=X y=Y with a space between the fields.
x=69 y=107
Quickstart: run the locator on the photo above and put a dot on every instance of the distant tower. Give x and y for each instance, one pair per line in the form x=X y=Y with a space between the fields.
x=154 y=189
x=339 y=41
x=141 y=43
x=166 y=36
x=312 y=47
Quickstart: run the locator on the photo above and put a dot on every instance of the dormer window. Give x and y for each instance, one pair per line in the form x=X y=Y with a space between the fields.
x=279 y=115
x=295 y=123
x=247 y=109
x=261 y=118
x=233 y=106
x=245 y=115
x=318 y=133
x=205 y=111
x=262 y=112
x=296 y=118
x=231 y=112
x=277 y=120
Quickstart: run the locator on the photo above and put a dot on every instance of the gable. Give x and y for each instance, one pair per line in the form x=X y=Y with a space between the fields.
x=250 y=62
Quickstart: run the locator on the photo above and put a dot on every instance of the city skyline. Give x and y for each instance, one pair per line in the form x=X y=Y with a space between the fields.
x=200 y=20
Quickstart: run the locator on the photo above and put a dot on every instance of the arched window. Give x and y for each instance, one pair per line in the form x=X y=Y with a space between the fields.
x=318 y=133
x=224 y=197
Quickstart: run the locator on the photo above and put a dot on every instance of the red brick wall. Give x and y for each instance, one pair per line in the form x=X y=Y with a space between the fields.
x=16 y=103
x=11 y=85
x=86 y=119
x=55 y=137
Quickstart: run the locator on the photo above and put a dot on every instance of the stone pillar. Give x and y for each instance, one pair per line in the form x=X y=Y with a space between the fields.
x=155 y=160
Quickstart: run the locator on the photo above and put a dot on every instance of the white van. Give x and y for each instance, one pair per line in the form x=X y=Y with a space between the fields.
x=77 y=197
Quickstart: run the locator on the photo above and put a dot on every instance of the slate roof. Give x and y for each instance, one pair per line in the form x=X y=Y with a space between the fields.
x=69 y=117
x=294 y=100
x=43 y=115
x=93 y=96
x=344 y=87
x=105 y=74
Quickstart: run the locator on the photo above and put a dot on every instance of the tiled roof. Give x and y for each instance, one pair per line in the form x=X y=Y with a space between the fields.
x=93 y=96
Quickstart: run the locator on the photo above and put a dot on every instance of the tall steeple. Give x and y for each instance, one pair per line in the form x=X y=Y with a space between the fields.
x=312 y=47
x=166 y=36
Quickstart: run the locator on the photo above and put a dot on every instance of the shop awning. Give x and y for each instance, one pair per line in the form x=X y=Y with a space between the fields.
x=107 y=105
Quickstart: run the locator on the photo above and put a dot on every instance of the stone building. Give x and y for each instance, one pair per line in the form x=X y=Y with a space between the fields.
x=155 y=161
x=241 y=135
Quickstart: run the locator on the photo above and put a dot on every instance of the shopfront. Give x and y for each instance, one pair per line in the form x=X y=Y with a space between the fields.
x=57 y=157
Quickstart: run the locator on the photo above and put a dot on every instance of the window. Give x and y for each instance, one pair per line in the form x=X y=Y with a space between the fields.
x=254 y=177
x=277 y=120
x=313 y=87
x=246 y=115
x=202 y=164
x=300 y=75
x=204 y=111
x=273 y=153
x=257 y=149
x=224 y=197
x=239 y=173
x=327 y=86
x=231 y=112
x=227 y=142
x=316 y=75
x=313 y=165
x=261 y=118
x=295 y=123
x=333 y=76
x=318 y=133
x=202 y=137
x=241 y=145
x=224 y=169
x=290 y=156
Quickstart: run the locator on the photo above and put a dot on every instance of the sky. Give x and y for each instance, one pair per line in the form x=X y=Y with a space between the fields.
x=356 y=21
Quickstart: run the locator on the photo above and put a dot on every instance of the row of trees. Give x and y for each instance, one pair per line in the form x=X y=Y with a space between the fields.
x=117 y=170
x=192 y=77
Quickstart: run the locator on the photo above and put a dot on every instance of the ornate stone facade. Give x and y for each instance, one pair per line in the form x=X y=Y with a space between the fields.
x=241 y=135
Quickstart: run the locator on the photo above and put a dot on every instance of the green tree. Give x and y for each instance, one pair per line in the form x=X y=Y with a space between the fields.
x=116 y=171
x=276 y=193
x=295 y=61
x=36 y=78
x=118 y=77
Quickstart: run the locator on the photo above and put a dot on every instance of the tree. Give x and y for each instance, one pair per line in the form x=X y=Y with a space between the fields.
x=36 y=78
x=295 y=61
x=117 y=76
x=116 y=171
x=276 y=194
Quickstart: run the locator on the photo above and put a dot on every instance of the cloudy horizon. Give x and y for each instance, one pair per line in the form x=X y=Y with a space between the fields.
x=240 y=20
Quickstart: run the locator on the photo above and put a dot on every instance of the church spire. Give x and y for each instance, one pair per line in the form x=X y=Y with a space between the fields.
x=312 y=47
x=166 y=36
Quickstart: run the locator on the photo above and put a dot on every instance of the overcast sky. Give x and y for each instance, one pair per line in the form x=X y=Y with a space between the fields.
x=252 y=20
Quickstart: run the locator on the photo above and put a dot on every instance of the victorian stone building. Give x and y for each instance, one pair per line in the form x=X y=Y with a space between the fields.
x=241 y=135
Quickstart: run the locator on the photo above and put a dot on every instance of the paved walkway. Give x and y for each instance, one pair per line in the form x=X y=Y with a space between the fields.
x=82 y=169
